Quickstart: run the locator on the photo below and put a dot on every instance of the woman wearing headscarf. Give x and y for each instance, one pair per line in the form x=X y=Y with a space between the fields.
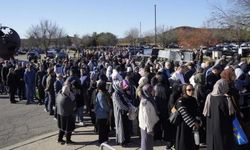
x=147 y=117
x=143 y=81
x=188 y=109
x=65 y=107
x=240 y=82
x=199 y=88
x=200 y=95
x=109 y=73
x=121 y=108
x=162 y=94
x=219 y=110
x=174 y=96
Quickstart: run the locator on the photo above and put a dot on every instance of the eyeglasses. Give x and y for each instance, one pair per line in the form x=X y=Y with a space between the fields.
x=189 y=90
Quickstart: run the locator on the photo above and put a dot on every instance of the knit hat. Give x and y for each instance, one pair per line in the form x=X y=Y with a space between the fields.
x=129 y=69
x=124 y=84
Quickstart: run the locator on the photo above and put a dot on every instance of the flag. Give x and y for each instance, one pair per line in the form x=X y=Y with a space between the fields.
x=239 y=134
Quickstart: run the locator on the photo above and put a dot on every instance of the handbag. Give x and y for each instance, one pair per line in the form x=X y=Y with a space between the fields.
x=174 y=117
x=132 y=112
x=239 y=134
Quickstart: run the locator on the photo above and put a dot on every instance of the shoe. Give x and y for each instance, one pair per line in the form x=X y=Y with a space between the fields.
x=70 y=142
x=13 y=102
x=61 y=141
x=40 y=103
x=51 y=113
x=32 y=102
x=45 y=110
x=81 y=124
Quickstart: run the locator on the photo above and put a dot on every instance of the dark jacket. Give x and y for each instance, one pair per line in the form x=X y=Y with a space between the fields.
x=50 y=83
x=4 y=73
x=220 y=135
x=57 y=86
x=39 y=78
x=200 y=95
x=188 y=109
x=211 y=80
x=20 y=73
x=12 y=80
x=77 y=83
x=44 y=80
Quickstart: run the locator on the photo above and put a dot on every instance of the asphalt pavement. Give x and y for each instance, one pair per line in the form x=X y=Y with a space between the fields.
x=20 y=122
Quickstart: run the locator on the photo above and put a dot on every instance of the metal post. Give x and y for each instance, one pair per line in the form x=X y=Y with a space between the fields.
x=155 y=26
x=140 y=35
x=106 y=145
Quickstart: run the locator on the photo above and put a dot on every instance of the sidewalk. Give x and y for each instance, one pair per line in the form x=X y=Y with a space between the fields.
x=84 y=137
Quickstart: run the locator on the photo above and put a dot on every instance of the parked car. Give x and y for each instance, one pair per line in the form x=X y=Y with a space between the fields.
x=244 y=51
x=208 y=52
x=21 y=51
x=33 y=55
x=50 y=55
x=61 y=55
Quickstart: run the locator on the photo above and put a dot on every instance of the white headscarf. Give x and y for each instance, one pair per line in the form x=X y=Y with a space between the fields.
x=116 y=76
x=238 y=72
x=66 y=91
x=109 y=72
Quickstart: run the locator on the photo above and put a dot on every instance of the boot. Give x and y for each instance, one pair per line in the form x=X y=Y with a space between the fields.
x=60 y=137
x=68 y=138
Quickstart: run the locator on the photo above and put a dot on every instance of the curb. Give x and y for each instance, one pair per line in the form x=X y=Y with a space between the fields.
x=31 y=141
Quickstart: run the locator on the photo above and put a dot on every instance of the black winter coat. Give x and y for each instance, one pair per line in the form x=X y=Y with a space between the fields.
x=187 y=107
x=220 y=134
x=12 y=80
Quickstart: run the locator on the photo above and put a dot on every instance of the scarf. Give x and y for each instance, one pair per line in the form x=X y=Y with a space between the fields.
x=146 y=94
x=220 y=88
x=66 y=91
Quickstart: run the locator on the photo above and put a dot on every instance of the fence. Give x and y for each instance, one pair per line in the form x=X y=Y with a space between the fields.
x=106 y=145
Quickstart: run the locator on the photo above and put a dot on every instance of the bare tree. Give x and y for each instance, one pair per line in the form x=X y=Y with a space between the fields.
x=45 y=33
x=161 y=37
x=76 y=41
x=236 y=18
x=132 y=36
x=86 y=41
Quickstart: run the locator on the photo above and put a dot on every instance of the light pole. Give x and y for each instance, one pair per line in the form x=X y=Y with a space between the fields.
x=140 y=35
x=155 y=25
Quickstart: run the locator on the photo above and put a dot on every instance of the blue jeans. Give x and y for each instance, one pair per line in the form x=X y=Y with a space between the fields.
x=46 y=101
x=79 y=114
x=30 y=91
x=51 y=96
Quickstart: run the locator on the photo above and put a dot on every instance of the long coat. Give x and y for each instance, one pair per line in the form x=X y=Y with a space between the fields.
x=65 y=109
x=187 y=106
x=219 y=125
x=120 y=108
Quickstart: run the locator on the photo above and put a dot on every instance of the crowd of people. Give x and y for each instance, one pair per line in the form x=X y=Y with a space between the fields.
x=135 y=97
